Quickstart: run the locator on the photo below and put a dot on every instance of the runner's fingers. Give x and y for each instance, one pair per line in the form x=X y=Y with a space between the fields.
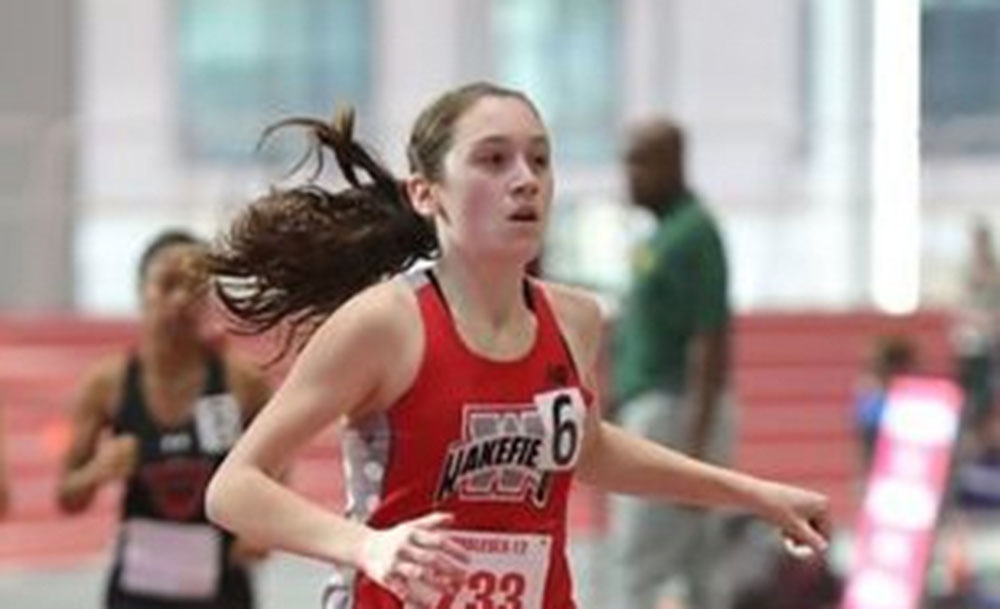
x=442 y=543
x=822 y=525
x=419 y=578
x=431 y=540
x=409 y=571
x=421 y=596
x=455 y=551
x=805 y=534
x=416 y=554
x=434 y=520
x=439 y=563
x=451 y=574
x=397 y=585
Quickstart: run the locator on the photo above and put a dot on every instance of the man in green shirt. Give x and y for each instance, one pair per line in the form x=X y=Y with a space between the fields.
x=671 y=360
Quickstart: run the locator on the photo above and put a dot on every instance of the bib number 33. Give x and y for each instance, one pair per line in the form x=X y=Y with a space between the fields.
x=562 y=413
x=486 y=590
x=508 y=571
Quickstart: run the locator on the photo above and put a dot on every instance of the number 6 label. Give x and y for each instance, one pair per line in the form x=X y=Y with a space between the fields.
x=562 y=412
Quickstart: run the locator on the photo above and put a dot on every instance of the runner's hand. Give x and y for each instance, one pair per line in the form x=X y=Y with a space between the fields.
x=116 y=458
x=802 y=515
x=416 y=560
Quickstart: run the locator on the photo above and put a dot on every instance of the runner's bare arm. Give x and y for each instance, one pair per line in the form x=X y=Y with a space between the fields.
x=360 y=360
x=90 y=462
x=617 y=461
x=252 y=392
x=248 y=385
x=339 y=373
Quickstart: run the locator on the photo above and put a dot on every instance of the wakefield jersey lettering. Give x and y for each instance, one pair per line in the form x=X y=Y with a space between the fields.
x=494 y=443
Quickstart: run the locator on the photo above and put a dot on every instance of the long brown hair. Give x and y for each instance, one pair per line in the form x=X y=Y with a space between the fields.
x=297 y=254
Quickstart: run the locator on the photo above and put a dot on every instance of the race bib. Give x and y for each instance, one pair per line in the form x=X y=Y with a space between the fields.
x=507 y=571
x=170 y=560
x=218 y=422
x=562 y=413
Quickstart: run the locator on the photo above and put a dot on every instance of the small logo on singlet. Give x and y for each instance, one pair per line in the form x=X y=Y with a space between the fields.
x=176 y=485
x=557 y=375
x=498 y=459
x=175 y=442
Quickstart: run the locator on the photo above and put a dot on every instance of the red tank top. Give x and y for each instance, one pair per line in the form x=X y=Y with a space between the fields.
x=494 y=443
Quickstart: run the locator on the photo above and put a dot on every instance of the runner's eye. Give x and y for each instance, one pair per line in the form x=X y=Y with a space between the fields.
x=492 y=160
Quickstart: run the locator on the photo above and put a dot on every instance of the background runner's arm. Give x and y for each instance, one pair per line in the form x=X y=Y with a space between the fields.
x=90 y=462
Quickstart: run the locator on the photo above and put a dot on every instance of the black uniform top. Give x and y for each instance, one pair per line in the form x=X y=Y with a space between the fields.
x=168 y=553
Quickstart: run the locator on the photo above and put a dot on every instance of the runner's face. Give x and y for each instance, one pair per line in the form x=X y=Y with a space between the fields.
x=497 y=188
x=173 y=289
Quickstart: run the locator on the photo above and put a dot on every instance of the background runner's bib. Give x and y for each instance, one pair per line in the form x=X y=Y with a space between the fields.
x=506 y=570
x=218 y=422
x=170 y=560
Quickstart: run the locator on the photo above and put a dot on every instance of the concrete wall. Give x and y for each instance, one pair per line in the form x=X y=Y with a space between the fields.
x=37 y=149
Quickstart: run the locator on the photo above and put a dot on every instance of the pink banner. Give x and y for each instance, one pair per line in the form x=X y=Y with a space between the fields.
x=895 y=530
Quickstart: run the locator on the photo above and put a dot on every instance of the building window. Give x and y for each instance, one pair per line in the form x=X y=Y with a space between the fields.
x=960 y=76
x=244 y=63
x=566 y=55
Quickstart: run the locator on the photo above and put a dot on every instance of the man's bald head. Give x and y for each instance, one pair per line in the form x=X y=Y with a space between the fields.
x=657 y=135
x=654 y=160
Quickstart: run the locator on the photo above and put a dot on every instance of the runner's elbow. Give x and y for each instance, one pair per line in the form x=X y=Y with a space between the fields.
x=219 y=500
